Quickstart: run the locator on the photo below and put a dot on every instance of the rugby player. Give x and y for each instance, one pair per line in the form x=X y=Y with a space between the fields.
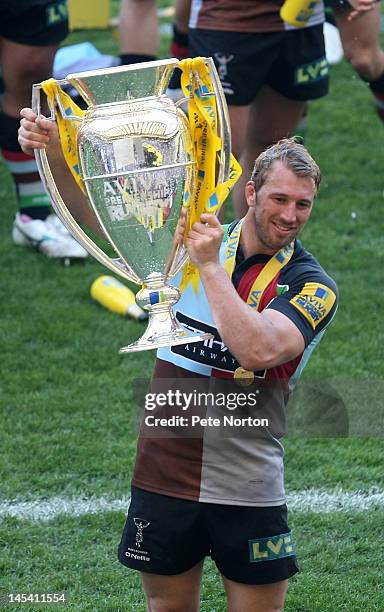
x=267 y=302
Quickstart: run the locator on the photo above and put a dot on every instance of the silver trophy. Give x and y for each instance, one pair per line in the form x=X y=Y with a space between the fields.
x=137 y=166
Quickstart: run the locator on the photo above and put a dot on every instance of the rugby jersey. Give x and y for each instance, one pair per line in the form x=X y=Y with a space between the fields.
x=245 y=15
x=237 y=465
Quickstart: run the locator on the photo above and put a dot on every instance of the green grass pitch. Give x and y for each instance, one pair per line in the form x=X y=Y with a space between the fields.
x=67 y=428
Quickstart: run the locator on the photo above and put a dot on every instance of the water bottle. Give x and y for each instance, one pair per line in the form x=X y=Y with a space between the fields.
x=298 y=12
x=115 y=296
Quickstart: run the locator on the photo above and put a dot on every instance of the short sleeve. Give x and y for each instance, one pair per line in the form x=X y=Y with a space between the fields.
x=310 y=302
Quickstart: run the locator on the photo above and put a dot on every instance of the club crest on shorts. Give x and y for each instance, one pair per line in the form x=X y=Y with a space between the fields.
x=140 y=525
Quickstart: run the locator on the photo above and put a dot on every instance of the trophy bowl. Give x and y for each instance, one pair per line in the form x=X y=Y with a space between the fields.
x=138 y=169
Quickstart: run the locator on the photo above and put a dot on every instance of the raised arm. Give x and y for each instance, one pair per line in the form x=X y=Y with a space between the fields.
x=258 y=340
x=37 y=132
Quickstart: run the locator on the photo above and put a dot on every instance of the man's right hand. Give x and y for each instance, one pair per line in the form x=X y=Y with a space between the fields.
x=36 y=132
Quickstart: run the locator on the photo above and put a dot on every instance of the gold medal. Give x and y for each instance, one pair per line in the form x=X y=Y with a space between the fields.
x=243 y=377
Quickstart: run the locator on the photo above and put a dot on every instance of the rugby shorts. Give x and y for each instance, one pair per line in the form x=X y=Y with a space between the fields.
x=34 y=23
x=168 y=535
x=338 y=5
x=292 y=62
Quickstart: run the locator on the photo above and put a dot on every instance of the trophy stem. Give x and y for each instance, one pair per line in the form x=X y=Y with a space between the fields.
x=163 y=329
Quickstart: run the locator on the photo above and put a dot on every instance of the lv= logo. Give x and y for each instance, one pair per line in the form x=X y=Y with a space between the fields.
x=267 y=549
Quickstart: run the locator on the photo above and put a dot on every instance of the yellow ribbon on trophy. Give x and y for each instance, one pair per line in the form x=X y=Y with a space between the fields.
x=67 y=128
x=207 y=195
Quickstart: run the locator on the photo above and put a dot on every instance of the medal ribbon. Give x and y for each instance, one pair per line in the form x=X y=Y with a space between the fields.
x=267 y=274
x=67 y=127
x=207 y=195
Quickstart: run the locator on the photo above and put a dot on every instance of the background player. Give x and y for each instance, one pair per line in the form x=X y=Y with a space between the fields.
x=30 y=31
x=360 y=35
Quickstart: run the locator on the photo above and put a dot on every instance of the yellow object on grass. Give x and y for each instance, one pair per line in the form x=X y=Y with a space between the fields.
x=115 y=296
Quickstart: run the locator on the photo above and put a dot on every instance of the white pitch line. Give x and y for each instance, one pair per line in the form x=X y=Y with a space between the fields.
x=48 y=509
x=310 y=500
x=337 y=500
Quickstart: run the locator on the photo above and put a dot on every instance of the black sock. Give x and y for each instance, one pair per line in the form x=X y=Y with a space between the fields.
x=377 y=86
x=180 y=39
x=36 y=212
x=135 y=58
x=178 y=49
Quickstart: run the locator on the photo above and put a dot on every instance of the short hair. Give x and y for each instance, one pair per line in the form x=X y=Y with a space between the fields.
x=293 y=155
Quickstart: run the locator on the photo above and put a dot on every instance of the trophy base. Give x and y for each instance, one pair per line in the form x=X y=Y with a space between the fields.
x=171 y=340
x=163 y=330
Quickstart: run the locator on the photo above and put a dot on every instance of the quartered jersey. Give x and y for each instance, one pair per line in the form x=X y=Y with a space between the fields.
x=245 y=15
x=229 y=463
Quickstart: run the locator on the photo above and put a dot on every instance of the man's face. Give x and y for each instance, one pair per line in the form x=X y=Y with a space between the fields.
x=281 y=207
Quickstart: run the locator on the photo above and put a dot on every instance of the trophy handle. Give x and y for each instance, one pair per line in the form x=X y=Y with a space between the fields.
x=223 y=123
x=117 y=265
x=223 y=120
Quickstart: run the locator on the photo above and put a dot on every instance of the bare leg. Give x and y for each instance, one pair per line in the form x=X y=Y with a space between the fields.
x=22 y=66
x=139 y=27
x=182 y=10
x=255 y=598
x=180 y=593
x=361 y=42
x=269 y=118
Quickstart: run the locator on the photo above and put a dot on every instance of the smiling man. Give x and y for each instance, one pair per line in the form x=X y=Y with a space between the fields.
x=216 y=490
x=267 y=302
x=280 y=197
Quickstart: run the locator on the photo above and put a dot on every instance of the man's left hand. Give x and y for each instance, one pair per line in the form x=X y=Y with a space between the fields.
x=204 y=240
